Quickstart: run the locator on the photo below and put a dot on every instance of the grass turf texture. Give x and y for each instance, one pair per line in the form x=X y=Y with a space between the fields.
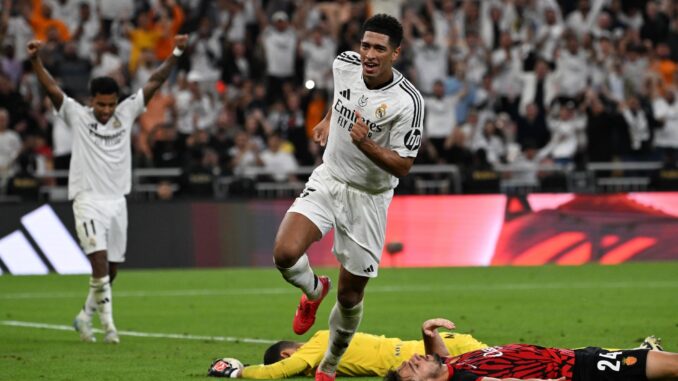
x=613 y=306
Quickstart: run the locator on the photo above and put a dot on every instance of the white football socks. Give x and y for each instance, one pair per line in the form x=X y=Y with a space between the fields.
x=301 y=275
x=104 y=301
x=343 y=324
x=90 y=306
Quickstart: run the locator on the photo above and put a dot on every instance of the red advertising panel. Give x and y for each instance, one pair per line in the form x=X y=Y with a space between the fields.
x=565 y=229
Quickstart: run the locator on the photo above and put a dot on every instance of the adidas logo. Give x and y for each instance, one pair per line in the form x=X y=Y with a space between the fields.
x=346 y=94
x=41 y=244
x=369 y=269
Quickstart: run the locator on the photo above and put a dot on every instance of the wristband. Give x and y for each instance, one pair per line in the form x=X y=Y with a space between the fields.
x=177 y=52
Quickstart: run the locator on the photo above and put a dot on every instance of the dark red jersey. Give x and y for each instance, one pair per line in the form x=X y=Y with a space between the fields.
x=512 y=361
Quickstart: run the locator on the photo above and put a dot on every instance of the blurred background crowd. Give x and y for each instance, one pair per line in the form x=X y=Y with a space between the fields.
x=508 y=83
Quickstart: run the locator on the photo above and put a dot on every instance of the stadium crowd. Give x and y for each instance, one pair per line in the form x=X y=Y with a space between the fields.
x=516 y=83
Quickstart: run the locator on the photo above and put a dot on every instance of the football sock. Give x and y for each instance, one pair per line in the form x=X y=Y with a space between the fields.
x=104 y=301
x=343 y=324
x=301 y=275
x=90 y=306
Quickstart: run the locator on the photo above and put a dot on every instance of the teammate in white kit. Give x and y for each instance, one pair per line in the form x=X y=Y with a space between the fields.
x=100 y=176
x=373 y=131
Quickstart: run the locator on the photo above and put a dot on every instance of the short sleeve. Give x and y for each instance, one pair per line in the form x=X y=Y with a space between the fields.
x=69 y=109
x=407 y=133
x=134 y=104
x=347 y=61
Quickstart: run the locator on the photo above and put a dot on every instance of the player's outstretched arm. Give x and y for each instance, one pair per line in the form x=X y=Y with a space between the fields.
x=387 y=159
x=48 y=83
x=161 y=74
x=433 y=343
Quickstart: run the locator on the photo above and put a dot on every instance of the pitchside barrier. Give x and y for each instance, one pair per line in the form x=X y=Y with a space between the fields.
x=422 y=230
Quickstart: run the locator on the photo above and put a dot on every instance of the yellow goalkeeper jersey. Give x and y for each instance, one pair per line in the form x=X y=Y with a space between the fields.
x=367 y=355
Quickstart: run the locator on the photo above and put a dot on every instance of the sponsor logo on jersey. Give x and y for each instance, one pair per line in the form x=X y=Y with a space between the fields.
x=380 y=112
x=630 y=361
x=362 y=102
x=346 y=118
x=346 y=94
x=413 y=139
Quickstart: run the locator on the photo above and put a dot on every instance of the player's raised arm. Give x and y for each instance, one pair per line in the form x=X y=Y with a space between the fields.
x=433 y=343
x=53 y=91
x=160 y=75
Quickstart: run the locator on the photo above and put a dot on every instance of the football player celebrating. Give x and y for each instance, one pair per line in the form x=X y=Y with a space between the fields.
x=373 y=131
x=100 y=176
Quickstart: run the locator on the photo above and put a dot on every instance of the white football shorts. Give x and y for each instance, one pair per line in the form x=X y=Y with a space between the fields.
x=358 y=219
x=102 y=225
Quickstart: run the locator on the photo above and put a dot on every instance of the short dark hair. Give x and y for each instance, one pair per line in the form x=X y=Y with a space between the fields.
x=384 y=24
x=392 y=375
x=104 y=85
x=272 y=354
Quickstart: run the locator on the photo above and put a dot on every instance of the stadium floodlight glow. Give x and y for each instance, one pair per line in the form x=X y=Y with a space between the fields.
x=19 y=257
x=310 y=84
x=55 y=241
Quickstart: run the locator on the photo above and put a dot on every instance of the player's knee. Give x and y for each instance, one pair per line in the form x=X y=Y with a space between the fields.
x=285 y=255
x=349 y=299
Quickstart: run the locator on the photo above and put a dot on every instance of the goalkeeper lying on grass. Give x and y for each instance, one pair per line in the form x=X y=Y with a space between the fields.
x=367 y=355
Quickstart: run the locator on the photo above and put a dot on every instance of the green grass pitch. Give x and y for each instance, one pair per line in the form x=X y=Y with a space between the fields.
x=613 y=306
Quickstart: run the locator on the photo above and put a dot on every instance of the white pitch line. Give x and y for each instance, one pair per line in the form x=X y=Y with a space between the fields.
x=374 y=289
x=56 y=327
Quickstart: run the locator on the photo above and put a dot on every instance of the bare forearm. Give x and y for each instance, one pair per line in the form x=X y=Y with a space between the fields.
x=51 y=87
x=386 y=159
x=158 y=77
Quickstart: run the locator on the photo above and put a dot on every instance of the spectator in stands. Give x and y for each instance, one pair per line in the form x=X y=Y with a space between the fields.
x=41 y=21
x=237 y=66
x=245 y=158
x=84 y=30
x=430 y=62
x=10 y=147
x=456 y=151
x=165 y=146
x=318 y=51
x=492 y=141
x=532 y=127
x=572 y=69
x=565 y=131
x=549 y=33
x=507 y=63
x=206 y=52
x=441 y=116
x=539 y=88
x=279 y=163
x=665 y=108
x=656 y=24
x=9 y=64
x=638 y=127
x=74 y=72
x=582 y=19
x=607 y=133
x=199 y=178
x=280 y=46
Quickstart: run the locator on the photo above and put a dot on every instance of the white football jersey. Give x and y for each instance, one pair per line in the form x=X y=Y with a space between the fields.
x=101 y=160
x=394 y=115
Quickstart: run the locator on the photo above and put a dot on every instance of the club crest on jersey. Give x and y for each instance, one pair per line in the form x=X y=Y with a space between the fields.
x=93 y=126
x=629 y=361
x=380 y=112
x=116 y=123
x=362 y=102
